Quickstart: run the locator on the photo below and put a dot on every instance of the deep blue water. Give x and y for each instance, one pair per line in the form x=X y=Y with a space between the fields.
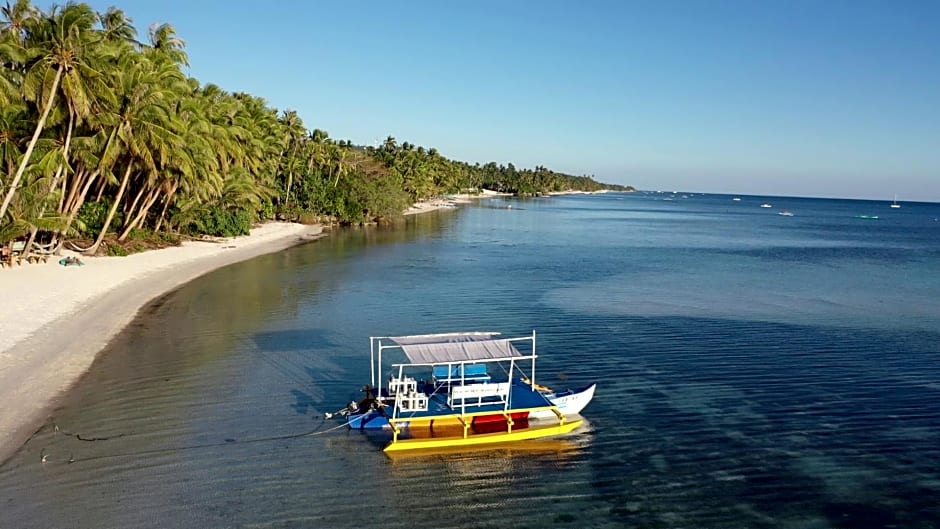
x=754 y=370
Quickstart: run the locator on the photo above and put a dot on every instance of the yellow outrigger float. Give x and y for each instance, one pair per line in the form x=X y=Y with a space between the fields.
x=458 y=389
x=476 y=439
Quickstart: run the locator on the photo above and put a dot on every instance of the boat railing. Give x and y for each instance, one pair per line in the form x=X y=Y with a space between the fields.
x=412 y=401
x=480 y=394
x=402 y=385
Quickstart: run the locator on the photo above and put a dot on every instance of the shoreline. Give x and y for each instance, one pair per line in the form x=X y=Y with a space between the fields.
x=57 y=319
x=451 y=201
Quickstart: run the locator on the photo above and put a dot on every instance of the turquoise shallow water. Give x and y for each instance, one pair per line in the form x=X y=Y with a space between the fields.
x=754 y=370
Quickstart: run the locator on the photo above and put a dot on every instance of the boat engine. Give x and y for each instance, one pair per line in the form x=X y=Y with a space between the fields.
x=352 y=407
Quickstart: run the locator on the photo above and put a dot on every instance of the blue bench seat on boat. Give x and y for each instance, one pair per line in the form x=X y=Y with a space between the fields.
x=458 y=373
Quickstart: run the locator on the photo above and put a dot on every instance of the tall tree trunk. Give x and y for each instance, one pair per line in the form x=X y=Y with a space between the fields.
x=32 y=144
x=290 y=172
x=55 y=181
x=290 y=181
x=102 y=185
x=65 y=160
x=104 y=181
x=277 y=170
x=73 y=191
x=129 y=212
x=29 y=243
x=77 y=205
x=142 y=214
x=166 y=204
x=112 y=211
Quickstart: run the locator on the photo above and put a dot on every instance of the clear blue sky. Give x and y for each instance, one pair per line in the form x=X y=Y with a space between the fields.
x=795 y=97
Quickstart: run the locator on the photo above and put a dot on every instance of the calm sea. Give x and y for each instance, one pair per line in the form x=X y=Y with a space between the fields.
x=754 y=370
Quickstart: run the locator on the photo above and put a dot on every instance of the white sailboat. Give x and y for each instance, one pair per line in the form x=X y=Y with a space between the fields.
x=895 y=204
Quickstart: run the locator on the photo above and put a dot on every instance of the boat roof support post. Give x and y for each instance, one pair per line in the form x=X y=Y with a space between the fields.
x=398 y=394
x=378 y=371
x=372 y=360
x=532 y=378
x=512 y=369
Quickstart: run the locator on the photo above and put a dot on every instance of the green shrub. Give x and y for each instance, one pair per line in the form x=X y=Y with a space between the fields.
x=220 y=222
x=115 y=250
x=91 y=215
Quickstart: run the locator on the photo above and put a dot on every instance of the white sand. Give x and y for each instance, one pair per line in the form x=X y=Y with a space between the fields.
x=451 y=202
x=55 y=319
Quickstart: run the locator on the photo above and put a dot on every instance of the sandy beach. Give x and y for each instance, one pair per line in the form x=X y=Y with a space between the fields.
x=55 y=319
x=451 y=201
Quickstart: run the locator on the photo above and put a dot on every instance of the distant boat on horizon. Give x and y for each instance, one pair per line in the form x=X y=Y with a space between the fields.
x=895 y=203
x=785 y=213
x=766 y=205
x=736 y=199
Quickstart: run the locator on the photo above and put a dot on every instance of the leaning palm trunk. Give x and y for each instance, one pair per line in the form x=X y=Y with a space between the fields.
x=112 y=211
x=166 y=204
x=29 y=242
x=290 y=180
x=141 y=215
x=73 y=211
x=65 y=159
x=129 y=212
x=73 y=191
x=32 y=145
x=55 y=182
x=102 y=185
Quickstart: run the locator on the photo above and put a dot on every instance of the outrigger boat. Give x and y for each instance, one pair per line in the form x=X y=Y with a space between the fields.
x=461 y=389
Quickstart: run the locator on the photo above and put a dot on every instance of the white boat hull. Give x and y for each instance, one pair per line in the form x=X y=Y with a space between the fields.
x=567 y=403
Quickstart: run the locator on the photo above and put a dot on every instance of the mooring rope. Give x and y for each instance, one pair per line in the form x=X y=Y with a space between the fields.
x=229 y=441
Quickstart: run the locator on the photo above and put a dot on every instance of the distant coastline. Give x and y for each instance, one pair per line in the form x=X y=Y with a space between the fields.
x=217 y=167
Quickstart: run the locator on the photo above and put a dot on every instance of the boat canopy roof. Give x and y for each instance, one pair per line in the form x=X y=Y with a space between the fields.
x=455 y=347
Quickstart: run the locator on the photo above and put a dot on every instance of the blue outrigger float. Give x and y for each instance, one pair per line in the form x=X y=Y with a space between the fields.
x=461 y=389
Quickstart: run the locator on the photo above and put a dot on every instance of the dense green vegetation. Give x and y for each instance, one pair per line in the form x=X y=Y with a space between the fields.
x=104 y=136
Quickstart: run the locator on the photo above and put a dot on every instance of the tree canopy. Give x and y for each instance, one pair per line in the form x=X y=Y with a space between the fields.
x=103 y=136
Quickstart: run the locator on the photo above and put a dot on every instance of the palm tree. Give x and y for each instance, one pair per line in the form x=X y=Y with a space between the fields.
x=141 y=123
x=118 y=28
x=338 y=165
x=294 y=134
x=11 y=118
x=390 y=145
x=25 y=214
x=60 y=50
x=195 y=169
x=15 y=19
x=165 y=42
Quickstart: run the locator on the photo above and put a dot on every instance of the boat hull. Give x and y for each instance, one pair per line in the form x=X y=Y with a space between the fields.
x=531 y=432
x=570 y=402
